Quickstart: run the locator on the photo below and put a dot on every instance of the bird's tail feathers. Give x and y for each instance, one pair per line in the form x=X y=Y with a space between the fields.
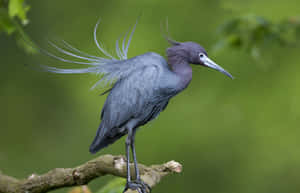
x=97 y=143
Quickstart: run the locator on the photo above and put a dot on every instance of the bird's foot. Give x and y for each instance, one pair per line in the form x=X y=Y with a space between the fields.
x=144 y=185
x=137 y=185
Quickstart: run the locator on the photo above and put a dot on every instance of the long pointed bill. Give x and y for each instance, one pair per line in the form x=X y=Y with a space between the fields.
x=211 y=64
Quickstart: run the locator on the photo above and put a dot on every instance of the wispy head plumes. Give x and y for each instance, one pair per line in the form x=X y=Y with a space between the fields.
x=167 y=35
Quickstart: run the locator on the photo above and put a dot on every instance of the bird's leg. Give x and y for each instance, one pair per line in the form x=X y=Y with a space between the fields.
x=127 y=146
x=129 y=183
x=137 y=185
x=137 y=173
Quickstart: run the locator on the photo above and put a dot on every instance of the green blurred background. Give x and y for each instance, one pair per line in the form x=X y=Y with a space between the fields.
x=239 y=136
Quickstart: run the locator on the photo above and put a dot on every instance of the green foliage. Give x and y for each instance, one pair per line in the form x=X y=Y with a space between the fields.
x=11 y=13
x=114 y=186
x=80 y=189
x=17 y=8
x=252 y=33
x=6 y=24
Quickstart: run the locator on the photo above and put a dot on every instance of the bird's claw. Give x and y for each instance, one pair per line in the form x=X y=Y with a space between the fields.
x=144 y=185
x=137 y=185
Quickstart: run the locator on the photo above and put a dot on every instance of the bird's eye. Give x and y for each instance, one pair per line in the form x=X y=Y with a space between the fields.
x=201 y=55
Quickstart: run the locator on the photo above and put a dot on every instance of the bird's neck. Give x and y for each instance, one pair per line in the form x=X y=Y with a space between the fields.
x=182 y=69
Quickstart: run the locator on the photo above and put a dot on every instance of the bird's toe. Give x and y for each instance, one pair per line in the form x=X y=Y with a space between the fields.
x=143 y=185
x=137 y=185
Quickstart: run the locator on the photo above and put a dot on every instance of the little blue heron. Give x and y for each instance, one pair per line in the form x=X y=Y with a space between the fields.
x=140 y=88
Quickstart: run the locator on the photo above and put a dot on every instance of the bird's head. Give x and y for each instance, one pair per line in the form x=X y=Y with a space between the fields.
x=192 y=53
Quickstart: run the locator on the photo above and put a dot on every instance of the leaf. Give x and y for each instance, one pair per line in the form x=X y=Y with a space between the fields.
x=6 y=24
x=17 y=8
x=80 y=189
x=253 y=33
x=114 y=186
x=229 y=26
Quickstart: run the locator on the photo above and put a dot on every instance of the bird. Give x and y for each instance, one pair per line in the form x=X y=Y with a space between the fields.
x=140 y=87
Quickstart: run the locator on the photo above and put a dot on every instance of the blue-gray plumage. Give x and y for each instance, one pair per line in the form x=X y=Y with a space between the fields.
x=141 y=87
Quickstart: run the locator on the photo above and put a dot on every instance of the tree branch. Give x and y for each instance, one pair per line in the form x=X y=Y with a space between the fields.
x=83 y=174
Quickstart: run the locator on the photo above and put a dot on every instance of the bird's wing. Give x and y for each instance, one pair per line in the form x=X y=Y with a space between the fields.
x=140 y=96
x=134 y=100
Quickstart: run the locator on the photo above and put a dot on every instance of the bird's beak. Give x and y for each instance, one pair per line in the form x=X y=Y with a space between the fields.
x=211 y=64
